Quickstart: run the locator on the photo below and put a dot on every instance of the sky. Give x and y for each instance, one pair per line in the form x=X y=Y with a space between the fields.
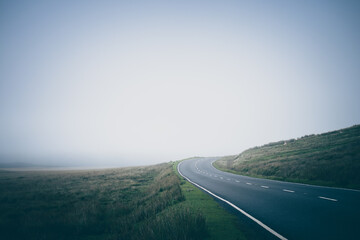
x=140 y=82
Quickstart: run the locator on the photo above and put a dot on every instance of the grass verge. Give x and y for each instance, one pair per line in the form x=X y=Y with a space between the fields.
x=220 y=223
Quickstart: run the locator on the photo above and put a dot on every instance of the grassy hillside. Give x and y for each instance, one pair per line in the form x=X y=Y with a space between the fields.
x=126 y=203
x=331 y=159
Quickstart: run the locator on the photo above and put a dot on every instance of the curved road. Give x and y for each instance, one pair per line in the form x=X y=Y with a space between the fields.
x=286 y=210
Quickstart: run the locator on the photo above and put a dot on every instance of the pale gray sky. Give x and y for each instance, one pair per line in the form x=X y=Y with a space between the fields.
x=140 y=82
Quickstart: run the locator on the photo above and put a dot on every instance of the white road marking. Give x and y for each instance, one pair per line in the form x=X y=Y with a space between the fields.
x=303 y=184
x=237 y=181
x=264 y=186
x=286 y=190
x=234 y=206
x=330 y=199
x=221 y=177
x=228 y=179
x=249 y=183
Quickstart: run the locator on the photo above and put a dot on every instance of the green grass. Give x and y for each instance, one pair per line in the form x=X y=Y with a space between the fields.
x=220 y=223
x=329 y=159
x=126 y=203
x=150 y=202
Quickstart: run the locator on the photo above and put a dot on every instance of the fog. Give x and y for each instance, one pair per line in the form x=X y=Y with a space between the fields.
x=107 y=83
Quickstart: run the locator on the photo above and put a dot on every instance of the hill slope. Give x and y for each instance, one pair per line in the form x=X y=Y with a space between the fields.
x=330 y=159
x=132 y=203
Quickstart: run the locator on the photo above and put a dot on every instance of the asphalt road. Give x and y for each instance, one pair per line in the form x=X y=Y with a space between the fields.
x=288 y=210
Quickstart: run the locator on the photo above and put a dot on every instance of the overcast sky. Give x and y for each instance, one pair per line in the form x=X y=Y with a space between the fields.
x=139 y=82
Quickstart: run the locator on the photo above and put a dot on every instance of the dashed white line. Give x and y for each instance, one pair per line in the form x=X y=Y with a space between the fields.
x=330 y=199
x=287 y=190
x=264 y=226
x=234 y=206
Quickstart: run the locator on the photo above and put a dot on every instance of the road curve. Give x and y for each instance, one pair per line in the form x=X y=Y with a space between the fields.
x=289 y=210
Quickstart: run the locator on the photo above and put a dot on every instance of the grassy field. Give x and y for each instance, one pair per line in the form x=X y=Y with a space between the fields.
x=330 y=159
x=126 y=203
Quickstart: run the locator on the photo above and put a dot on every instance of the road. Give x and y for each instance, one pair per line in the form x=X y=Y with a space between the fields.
x=286 y=210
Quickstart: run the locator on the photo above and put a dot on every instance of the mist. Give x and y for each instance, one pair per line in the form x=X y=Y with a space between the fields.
x=135 y=82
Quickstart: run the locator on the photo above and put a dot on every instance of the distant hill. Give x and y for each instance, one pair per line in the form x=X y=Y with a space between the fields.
x=21 y=165
x=331 y=159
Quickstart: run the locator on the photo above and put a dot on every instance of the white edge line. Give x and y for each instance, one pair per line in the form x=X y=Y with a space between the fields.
x=330 y=199
x=234 y=206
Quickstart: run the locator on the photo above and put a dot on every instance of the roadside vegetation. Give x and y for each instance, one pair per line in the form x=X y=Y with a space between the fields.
x=126 y=203
x=220 y=223
x=329 y=159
